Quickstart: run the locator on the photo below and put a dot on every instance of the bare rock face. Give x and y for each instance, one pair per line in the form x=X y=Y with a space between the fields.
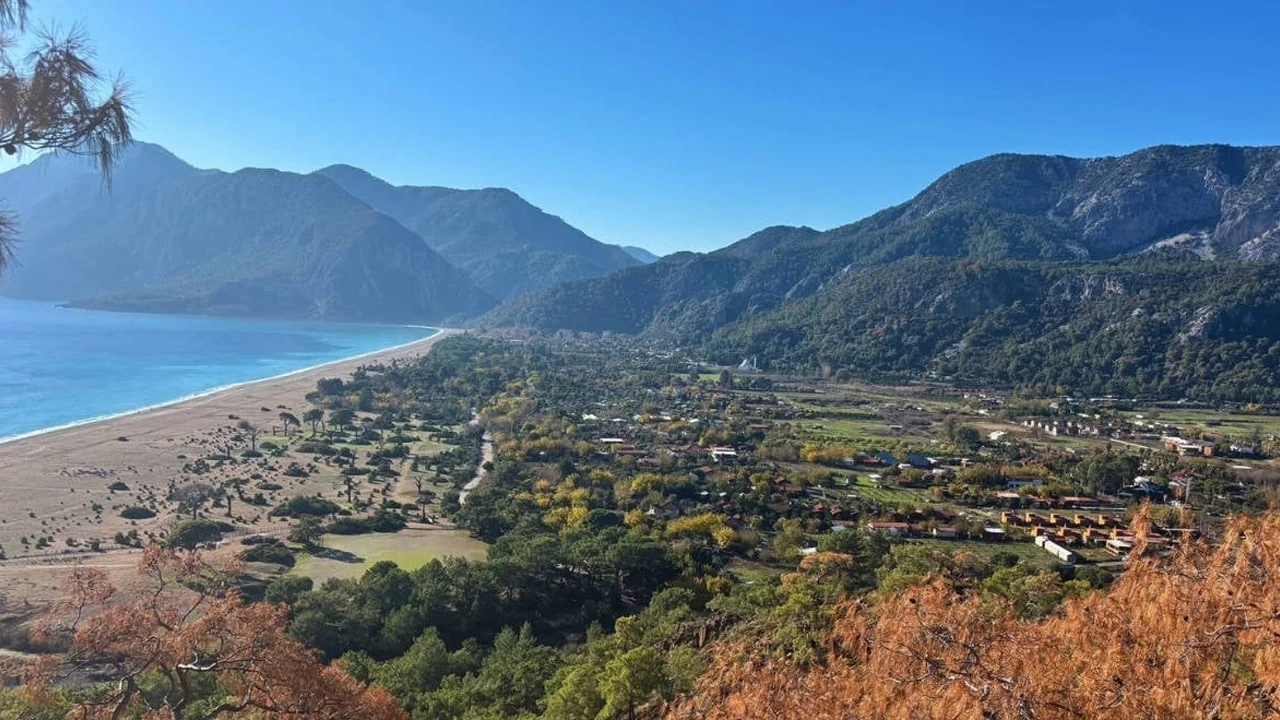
x=1122 y=205
x=1125 y=208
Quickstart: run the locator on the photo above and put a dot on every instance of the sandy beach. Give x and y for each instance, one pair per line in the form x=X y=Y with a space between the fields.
x=55 y=484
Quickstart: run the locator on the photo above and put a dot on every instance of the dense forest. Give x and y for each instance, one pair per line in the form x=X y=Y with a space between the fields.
x=1147 y=327
x=1139 y=328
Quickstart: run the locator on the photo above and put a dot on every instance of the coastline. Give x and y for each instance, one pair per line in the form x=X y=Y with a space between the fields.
x=56 y=483
x=389 y=353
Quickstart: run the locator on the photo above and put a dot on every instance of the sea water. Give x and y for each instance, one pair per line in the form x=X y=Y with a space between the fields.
x=62 y=366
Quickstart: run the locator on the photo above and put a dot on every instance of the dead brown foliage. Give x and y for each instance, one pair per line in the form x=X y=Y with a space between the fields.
x=1194 y=636
x=192 y=624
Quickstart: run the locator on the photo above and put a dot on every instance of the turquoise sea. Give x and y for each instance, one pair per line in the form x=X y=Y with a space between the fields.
x=61 y=366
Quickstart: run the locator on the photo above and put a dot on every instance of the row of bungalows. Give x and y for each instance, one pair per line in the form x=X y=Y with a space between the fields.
x=1079 y=520
x=1015 y=499
x=1077 y=529
x=899 y=528
x=1068 y=428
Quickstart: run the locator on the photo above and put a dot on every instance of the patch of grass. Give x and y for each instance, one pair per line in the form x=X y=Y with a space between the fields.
x=430 y=448
x=410 y=549
x=887 y=495
x=836 y=428
x=1236 y=425
x=750 y=571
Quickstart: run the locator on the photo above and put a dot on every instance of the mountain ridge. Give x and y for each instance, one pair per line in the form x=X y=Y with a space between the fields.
x=251 y=242
x=516 y=248
x=640 y=254
x=1196 y=212
x=75 y=232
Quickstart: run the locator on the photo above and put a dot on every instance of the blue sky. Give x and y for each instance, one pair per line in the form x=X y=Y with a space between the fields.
x=689 y=124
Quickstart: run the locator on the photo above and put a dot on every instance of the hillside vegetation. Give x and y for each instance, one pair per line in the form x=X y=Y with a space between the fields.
x=1192 y=638
x=1151 y=274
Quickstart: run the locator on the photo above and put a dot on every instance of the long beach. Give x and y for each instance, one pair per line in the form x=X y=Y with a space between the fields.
x=50 y=482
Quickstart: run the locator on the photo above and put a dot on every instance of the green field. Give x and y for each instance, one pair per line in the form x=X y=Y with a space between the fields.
x=859 y=431
x=1236 y=425
x=862 y=487
x=410 y=549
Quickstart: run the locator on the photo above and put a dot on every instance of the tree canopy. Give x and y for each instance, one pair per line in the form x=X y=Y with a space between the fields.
x=55 y=98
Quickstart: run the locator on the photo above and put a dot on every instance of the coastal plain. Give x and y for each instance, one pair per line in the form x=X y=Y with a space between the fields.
x=56 y=485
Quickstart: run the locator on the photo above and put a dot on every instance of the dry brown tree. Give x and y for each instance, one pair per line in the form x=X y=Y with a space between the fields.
x=52 y=97
x=191 y=649
x=1188 y=637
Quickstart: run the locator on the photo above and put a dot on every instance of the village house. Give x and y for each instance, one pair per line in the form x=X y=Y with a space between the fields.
x=889 y=528
x=724 y=455
x=1184 y=448
x=1017 y=483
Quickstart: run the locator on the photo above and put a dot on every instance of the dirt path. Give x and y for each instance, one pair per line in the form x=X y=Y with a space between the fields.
x=486 y=456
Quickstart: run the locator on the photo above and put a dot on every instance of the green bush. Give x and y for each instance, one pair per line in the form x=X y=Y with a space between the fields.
x=288 y=588
x=137 y=512
x=381 y=521
x=269 y=552
x=316 y=448
x=304 y=505
x=194 y=533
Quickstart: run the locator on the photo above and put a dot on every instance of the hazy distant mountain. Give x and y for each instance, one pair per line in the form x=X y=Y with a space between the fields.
x=640 y=254
x=171 y=238
x=1146 y=247
x=508 y=246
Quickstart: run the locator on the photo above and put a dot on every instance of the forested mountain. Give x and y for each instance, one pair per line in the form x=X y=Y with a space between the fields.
x=1130 y=328
x=170 y=238
x=1012 y=238
x=508 y=246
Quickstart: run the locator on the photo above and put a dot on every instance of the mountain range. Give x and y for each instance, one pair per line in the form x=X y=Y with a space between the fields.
x=334 y=244
x=1153 y=273
x=1150 y=273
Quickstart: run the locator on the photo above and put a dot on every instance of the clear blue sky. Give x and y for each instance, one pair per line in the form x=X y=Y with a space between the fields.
x=683 y=124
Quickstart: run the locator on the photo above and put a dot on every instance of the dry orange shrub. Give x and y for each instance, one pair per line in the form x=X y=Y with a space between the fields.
x=1194 y=636
x=193 y=625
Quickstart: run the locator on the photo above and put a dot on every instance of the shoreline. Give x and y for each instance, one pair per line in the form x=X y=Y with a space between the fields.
x=439 y=333
x=65 y=488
